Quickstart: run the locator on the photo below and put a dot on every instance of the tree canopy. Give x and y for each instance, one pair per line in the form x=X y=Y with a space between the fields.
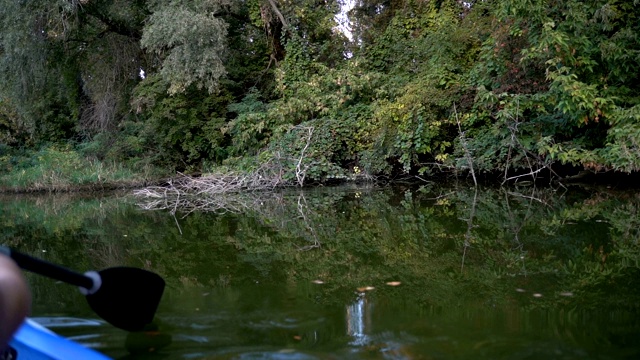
x=498 y=86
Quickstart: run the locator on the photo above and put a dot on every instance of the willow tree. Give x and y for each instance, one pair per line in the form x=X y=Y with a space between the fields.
x=190 y=41
x=66 y=66
x=70 y=69
x=28 y=72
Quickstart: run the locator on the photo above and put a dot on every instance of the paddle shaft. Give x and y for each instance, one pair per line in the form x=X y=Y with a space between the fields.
x=47 y=269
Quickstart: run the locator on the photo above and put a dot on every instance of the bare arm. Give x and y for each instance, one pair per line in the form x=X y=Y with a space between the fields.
x=15 y=299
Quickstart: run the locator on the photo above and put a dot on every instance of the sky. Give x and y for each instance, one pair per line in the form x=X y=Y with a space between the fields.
x=344 y=25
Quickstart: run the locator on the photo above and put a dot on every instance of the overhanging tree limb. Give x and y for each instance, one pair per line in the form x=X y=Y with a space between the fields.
x=279 y=14
x=118 y=26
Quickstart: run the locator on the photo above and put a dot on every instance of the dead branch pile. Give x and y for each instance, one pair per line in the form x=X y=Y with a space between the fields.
x=212 y=192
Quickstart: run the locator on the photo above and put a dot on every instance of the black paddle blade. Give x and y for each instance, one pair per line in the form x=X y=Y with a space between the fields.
x=128 y=297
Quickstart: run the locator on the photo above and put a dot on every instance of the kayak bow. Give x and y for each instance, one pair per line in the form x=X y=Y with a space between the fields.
x=35 y=342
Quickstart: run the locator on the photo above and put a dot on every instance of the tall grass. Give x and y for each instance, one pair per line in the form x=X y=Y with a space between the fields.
x=65 y=169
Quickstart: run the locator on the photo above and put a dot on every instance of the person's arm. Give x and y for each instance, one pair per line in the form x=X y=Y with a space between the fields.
x=15 y=299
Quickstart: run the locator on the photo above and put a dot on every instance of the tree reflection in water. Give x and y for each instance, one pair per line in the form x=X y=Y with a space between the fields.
x=459 y=254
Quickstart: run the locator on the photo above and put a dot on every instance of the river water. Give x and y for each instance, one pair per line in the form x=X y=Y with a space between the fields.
x=354 y=272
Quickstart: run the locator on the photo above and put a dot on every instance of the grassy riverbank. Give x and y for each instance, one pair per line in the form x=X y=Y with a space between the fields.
x=65 y=169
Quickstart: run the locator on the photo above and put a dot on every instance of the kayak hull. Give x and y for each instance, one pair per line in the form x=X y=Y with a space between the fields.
x=34 y=342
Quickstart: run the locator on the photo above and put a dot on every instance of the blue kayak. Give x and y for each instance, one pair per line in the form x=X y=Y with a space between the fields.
x=35 y=342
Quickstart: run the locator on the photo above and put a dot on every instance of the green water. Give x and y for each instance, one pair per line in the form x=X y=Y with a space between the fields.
x=453 y=273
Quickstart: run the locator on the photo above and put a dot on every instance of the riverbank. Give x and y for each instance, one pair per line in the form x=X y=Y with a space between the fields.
x=66 y=170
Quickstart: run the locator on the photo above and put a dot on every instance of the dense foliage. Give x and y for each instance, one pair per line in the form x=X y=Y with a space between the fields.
x=412 y=87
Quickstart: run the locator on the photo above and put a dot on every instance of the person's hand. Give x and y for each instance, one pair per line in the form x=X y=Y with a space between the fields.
x=15 y=299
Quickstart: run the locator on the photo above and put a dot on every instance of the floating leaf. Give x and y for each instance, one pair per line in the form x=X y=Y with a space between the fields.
x=365 y=288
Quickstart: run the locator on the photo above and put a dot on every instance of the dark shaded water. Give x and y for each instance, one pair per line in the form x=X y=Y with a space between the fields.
x=353 y=272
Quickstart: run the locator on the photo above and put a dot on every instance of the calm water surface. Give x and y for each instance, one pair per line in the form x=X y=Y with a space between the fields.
x=351 y=272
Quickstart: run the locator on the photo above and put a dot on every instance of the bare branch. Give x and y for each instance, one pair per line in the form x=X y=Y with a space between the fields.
x=300 y=172
x=463 y=141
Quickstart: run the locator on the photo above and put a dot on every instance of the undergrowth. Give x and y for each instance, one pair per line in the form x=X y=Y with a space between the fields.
x=62 y=168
